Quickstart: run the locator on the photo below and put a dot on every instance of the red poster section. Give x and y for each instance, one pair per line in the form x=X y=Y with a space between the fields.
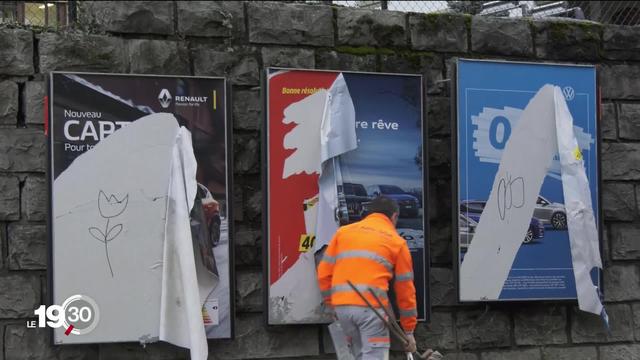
x=286 y=196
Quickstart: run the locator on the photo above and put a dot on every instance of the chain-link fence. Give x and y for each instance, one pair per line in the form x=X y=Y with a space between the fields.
x=55 y=14
x=609 y=12
x=50 y=14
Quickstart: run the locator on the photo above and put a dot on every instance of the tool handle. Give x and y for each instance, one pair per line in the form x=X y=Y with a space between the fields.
x=389 y=326
x=390 y=315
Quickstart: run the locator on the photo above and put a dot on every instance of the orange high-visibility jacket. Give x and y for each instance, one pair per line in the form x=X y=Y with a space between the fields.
x=369 y=253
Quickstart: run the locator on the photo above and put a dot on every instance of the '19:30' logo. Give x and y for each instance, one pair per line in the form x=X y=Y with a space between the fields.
x=78 y=315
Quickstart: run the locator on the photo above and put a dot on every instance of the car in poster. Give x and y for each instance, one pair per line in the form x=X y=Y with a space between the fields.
x=466 y=229
x=473 y=209
x=355 y=196
x=551 y=213
x=409 y=205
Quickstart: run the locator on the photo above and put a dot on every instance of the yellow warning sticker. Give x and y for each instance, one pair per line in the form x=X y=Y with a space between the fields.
x=577 y=154
x=306 y=242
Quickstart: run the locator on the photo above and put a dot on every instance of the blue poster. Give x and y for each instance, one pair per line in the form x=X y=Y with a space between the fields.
x=491 y=96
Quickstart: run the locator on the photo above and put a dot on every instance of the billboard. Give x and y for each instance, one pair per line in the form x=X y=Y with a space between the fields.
x=490 y=110
x=111 y=142
x=385 y=158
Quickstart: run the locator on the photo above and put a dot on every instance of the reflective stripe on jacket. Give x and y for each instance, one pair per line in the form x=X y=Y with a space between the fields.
x=369 y=253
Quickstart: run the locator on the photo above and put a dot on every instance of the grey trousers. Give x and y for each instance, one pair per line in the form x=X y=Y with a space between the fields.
x=366 y=333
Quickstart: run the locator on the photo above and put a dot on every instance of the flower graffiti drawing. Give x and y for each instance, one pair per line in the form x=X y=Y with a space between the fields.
x=109 y=208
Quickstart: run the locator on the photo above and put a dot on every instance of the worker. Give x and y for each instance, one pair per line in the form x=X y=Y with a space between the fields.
x=369 y=253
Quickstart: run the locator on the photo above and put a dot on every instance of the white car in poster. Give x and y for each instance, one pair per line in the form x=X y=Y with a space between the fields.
x=551 y=213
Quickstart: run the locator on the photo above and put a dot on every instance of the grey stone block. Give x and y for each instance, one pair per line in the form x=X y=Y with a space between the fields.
x=502 y=36
x=564 y=39
x=333 y=60
x=239 y=65
x=609 y=122
x=618 y=201
x=247 y=110
x=570 y=353
x=619 y=161
x=624 y=241
x=33 y=102
x=439 y=152
x=247 y=256
x=440 y=242
x=622 y=282
x=16 y=52
x=9 y=197
x=629 y=121
x=620 y=81
x=27 y=246
x=438 y=115
x=158 y=57
x=211 y=18
x=22 y=150
x=34 y=198
x=141 y=17
x=440 y=201
x=249 y=291
x=290 y=24
x=245 y=236
x=20 y=296
x=636 y=320
x=132 y=351
x=362 y=27
x=254 y=340
x=461 y=356
x=428 y=65
x=621 y=42
x=253 y=207
x=524 y=354
x=8 y=103
x=620 y=352
x=439 y=334
x=439 y=32
x=80 y=52
x=288 y=57
x=443 y=288
x=541 y=325
x=588 y=328
x=246 y=154
x=480 y=329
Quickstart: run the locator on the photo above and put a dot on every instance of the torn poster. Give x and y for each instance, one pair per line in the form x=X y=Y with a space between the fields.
x=112 y=138
x=335 y=141
x=186 y=282
x=514 y=235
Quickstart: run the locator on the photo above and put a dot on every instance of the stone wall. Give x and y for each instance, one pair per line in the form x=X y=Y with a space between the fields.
x=238 y=40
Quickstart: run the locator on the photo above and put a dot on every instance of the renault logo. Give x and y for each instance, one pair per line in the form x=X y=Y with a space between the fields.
x=165 y=98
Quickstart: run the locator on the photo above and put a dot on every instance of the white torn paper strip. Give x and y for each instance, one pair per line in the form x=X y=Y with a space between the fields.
x=337 y=136
x=547 y=126
x=581 y=223
x=186 y=283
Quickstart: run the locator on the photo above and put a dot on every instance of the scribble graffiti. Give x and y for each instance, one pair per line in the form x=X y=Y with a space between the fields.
x=508 y=197
x=109 y=208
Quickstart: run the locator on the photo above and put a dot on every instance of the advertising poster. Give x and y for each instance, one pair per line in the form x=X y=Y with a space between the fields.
x=112 y=140
x=490 y=110
x=373 y=123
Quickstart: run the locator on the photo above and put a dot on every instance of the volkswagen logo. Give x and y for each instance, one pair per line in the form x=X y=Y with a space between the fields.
x=568 y=93
x=165 y=98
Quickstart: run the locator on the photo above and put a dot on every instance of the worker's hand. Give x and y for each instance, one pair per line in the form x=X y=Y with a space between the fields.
x=411 y=346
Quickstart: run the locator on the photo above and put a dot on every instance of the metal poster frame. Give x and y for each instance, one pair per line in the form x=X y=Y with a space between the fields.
x=50 y=121
x=267 y=198
x=455 y=172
